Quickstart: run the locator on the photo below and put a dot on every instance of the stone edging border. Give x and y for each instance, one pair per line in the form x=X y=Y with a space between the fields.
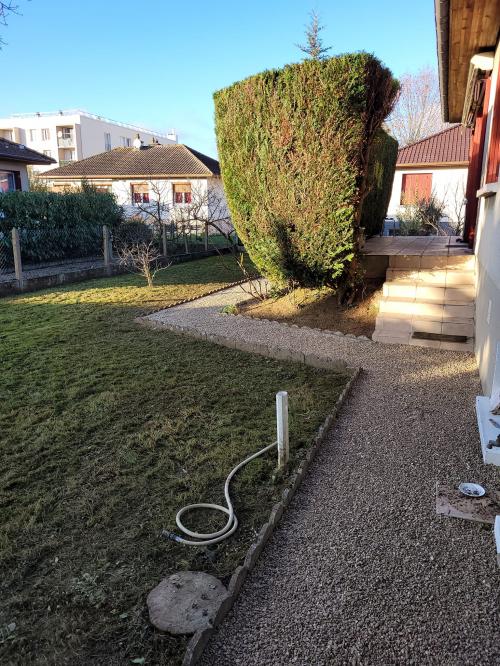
x=326 y=331
x=314 y=360
x=199 y=640
x=229 y=285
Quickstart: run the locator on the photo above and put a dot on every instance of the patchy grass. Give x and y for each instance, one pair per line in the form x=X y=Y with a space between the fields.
x=109 y=428
x=319 y=308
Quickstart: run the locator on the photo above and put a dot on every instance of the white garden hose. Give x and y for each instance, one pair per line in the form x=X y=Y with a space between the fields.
x=232 y=521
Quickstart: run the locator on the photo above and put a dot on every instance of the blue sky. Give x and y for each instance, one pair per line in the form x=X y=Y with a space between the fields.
x=156 y=63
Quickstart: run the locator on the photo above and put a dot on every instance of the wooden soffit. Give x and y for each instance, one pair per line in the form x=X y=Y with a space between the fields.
x=464 y=28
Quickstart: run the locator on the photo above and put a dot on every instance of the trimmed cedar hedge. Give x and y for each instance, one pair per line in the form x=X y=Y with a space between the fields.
x=293 y=147
x=381 y=167
x=55 y=225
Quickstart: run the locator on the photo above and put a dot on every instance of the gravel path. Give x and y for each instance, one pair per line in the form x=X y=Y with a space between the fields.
x=361 y=570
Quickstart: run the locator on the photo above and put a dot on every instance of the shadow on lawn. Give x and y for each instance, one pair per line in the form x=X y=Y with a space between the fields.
x=108 y=428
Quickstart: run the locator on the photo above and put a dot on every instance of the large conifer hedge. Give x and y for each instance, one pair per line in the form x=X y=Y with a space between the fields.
x=381 y=167
x=293 y=146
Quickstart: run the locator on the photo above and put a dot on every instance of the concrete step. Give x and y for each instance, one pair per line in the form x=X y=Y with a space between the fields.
x=415 y=290
x=406 y=339
x=437 y=277
x=422 y=309
x=405 y=326
x=456 y=260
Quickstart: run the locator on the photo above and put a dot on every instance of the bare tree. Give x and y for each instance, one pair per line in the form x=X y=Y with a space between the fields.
x=138 y=250
x=455 y=200
x=417 y=113
x=7 y=7
x=314 y=44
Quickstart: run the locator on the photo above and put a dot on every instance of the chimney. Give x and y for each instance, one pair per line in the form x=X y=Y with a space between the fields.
x=137 y=142
x=172 y=135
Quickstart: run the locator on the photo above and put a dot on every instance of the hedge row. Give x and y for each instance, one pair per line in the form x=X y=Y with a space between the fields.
x=293 y=147
x=381 y=167
x=51 y=209
x=55 y=226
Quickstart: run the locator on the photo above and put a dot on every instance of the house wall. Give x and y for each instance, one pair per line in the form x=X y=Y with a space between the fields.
x=487 y=250
x=447 y=183
x=7 y=165
x=88 y=134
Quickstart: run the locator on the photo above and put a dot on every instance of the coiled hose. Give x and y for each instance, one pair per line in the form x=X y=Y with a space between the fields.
x=232 y=522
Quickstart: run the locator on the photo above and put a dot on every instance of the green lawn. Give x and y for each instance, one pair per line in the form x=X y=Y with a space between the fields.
x=107 y=428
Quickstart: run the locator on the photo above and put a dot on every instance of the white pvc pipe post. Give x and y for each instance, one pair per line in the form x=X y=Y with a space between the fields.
x=282 y=427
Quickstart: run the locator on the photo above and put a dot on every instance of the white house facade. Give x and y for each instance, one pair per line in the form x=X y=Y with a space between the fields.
x=68 y=136
x=14 y=160
x=435 y=165
x=164 y=180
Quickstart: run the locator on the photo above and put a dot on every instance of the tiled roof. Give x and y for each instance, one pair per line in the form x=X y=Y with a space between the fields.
x=17 y=152
x=446 y=147
x=149 y=161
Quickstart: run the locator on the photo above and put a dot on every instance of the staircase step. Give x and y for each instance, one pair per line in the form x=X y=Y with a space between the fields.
x=430 y=261
x=438 y=278
x=425 y=309
x=467 y=346
x=406 y=326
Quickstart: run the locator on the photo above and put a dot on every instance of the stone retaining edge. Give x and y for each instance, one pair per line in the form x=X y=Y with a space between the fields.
x=200 y=639
x=314 y=360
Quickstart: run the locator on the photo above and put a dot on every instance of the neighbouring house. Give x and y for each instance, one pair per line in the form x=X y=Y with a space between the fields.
x=67 y=136
x=437 y=164
x=172 y=176
x=469 y=72
x=14 y=160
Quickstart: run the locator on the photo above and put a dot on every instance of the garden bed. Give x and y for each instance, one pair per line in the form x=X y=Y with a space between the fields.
x=107 y=432
x=319 y=308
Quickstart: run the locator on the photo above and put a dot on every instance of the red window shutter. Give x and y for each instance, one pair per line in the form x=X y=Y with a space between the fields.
x=187 y=197
x=416 y=186
x=494 y=147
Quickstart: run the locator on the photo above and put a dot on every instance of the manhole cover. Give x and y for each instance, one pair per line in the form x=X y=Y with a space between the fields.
x=185 y=602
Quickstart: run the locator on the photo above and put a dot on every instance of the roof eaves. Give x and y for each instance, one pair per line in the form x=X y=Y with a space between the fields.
x=442 y=16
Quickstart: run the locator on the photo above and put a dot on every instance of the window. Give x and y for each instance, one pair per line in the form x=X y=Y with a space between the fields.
x=45 y=134
x=66 y=133
x=140 y=193
x=32 y=134
x=415 y=186
x=48 y=153
x=10 y=181
x=494 y=146
x=182 y=193
x=102 y=188
x=107 y=141
x=129 y=142
x=125 y=141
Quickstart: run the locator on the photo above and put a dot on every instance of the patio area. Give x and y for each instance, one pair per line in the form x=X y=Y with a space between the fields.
x=443 y=246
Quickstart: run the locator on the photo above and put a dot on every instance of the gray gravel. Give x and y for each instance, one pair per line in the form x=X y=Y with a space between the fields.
x=361 y=570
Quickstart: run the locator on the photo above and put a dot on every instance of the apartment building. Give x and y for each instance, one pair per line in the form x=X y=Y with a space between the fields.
x=68 y=136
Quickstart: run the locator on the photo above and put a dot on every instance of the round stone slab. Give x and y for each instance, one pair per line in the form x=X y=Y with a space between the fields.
x=185 y=602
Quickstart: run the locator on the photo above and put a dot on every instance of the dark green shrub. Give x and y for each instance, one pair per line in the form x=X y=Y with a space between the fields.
x=381 y=167
x=132 y=232
x=293 y=147
x=56 y=226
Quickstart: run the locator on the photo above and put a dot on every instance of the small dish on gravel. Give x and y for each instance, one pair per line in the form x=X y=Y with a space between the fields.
x=472 y=489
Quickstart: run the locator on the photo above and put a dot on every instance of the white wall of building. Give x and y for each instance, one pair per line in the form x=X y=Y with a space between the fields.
x=88 y=134
x=8 y=165
x=447 y=183
x=487 y=250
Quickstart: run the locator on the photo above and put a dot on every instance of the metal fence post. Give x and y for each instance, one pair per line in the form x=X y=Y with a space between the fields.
x=106 y=245
x=282 y=427
x=18 y=265
x=164 y=239
x=206 y=237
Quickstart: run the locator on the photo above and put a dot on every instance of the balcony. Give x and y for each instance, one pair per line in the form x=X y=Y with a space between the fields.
x=64 y=162
x=65 y=141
